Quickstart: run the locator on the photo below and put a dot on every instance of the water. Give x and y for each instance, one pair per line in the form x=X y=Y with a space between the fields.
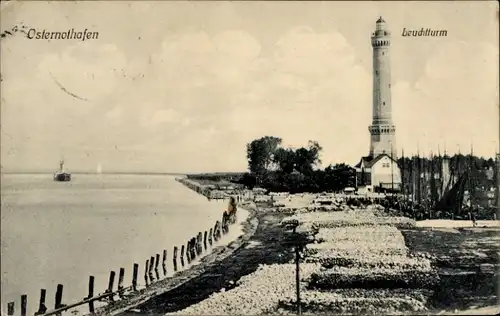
x=62 y=232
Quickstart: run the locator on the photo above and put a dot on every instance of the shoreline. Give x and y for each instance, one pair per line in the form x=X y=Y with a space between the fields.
x=263 y=247
x=162 y=287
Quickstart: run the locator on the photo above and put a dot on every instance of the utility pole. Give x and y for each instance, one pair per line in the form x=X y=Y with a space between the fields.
x=297 y=278
x=392 y=171
x=299 y=237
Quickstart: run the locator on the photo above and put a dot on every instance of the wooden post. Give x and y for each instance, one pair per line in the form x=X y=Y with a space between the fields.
x=91 y=294
x=151 y=267
x=223 y=223
x=205 y=239
x=176 y=251
x=110 y=284
x=134 y=277
x=42 y=308
x=24 y=303
x=297 y=278
x=197 y=244
x=210 y=236
x=10 y=308
x=188 y=252
x=156 y=266
x=146 y=272
x=199 y=240
x=59 y=293
x=120 y=281
x=217 y=231
x=182 y=256
x=164 y=262
x=192 y=248
x=174 y=258
x=157 y=261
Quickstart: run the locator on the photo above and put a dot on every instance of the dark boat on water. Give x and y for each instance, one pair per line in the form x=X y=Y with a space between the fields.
x=61 y=175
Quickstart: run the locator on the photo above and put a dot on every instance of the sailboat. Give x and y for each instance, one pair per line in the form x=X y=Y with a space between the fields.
x=62 y=175
x=99 y=169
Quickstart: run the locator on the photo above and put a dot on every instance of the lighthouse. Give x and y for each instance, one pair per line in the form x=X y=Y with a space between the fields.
x=382 y=129
x=379 y=170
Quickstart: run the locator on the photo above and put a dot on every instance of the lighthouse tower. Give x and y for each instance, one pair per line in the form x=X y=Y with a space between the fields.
x=382 y=130
x=379 y=170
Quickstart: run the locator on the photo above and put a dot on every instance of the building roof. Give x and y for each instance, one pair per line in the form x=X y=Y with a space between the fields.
x=380 y=20
x=364 y=160
x=369 y=161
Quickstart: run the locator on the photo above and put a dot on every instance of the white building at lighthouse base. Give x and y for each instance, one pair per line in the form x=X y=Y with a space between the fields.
x=381 y=173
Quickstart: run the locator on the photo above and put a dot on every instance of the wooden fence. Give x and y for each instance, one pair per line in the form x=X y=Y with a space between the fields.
x=192 y=249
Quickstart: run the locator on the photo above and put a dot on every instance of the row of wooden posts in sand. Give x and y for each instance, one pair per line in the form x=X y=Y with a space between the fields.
x=194 y=247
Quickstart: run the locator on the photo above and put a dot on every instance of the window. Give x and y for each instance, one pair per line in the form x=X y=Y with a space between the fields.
x=389 y=85
x=383 y=103
x=376 y=72
x=383 y=53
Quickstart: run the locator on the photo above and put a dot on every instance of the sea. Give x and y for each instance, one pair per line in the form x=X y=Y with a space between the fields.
x=62 y=232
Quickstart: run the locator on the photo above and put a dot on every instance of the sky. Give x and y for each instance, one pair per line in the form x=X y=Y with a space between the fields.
x=184 y=86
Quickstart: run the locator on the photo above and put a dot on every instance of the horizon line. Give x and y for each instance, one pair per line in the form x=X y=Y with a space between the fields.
x=126 y=173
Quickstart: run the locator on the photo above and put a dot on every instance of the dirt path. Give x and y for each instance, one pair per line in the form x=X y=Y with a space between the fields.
x=262 y=248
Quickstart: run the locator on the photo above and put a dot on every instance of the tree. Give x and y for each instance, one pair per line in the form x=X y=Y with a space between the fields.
x=339 y=177
x=285 y=160
x=303 y=162
x=248 y=181
x=295 y=169
x=260 y=154
x=307 y=158
x=315 y=151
